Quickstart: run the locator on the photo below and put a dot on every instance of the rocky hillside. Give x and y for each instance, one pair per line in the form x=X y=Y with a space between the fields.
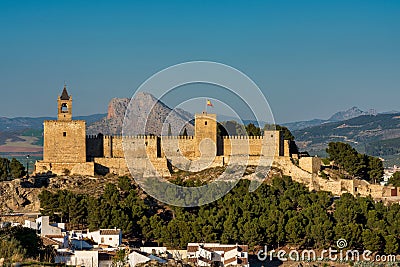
x=23 y=196
x=142 y=117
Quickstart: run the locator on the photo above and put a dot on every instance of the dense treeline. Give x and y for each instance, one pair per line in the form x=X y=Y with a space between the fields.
x=359 y=165
x=20 y=243
x=11 y=169
x=284 y=212
x=383 y=147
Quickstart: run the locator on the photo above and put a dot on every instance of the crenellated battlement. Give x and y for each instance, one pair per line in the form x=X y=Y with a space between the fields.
x=151 y=137
x=94 y=137
x=244 y=137
x=178 y=137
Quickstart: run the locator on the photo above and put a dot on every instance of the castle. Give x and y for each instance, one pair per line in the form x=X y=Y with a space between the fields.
x=67 y=150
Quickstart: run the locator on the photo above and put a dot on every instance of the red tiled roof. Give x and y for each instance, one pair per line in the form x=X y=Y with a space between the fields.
x=192 y=248
x=230 y=260
x=221 y=248
x=109 y=232
x=50 y=242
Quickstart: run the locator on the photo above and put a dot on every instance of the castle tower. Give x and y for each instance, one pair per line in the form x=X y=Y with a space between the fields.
x=64 y=139
x=273 y=143
x=205 y=130
x=64 y=106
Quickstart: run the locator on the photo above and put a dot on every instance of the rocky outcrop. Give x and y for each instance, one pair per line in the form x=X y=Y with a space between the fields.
x=22 y=196
x=146 y=112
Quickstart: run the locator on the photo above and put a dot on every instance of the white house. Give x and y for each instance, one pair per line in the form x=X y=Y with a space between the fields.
x=109 y=237
x=42 y=225
x=88 y=258
x=137 y=257
x=79 y=257
x=205 y=254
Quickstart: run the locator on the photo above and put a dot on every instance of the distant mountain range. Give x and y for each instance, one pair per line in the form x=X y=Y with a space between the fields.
x=338 y=116
x=377 y=135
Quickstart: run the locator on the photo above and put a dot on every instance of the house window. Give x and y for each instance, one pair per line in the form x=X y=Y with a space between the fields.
x=205 y=123
x=110 y=239
x=102 y=240
x=64 y=134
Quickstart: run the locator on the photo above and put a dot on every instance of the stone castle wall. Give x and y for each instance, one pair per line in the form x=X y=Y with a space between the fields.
x=175 y=146
x=59 y=168
x=242 y=145
x=310 y=164
x=94 y=146
x=64 y=141
x=172 y=146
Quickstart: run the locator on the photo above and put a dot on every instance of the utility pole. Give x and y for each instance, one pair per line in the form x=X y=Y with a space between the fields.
x=27 y=166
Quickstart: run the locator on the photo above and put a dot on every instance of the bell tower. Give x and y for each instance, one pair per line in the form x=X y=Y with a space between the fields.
x=64 y=106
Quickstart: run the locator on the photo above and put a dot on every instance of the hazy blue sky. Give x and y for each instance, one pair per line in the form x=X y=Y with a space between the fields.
x=310 y=58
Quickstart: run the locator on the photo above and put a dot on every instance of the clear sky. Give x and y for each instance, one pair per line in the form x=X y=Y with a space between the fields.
x=310 y=58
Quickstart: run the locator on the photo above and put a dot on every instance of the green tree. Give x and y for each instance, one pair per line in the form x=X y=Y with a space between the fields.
x=28 y=240
x=4 y=169
x=17 y=169
x=356 y=164
x=372 y=240
x=253 y=130
x=124 y=183
x=391 y=245
x=375 y=169
x=11 y=250
x=395 y=179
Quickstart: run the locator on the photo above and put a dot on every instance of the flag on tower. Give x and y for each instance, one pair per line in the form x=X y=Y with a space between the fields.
x=209 y=103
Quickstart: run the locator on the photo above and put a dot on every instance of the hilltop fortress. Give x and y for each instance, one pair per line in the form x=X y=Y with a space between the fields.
x=67 y=150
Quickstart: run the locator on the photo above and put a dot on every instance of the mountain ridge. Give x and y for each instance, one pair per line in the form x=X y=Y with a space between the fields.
x=361 y=132
x=350 y=113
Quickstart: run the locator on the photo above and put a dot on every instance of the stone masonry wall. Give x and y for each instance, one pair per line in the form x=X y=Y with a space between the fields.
x=64 y=141
x=86 y=168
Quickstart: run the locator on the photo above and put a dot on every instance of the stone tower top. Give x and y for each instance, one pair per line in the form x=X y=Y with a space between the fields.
x=64 y=94
x=65 y=106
